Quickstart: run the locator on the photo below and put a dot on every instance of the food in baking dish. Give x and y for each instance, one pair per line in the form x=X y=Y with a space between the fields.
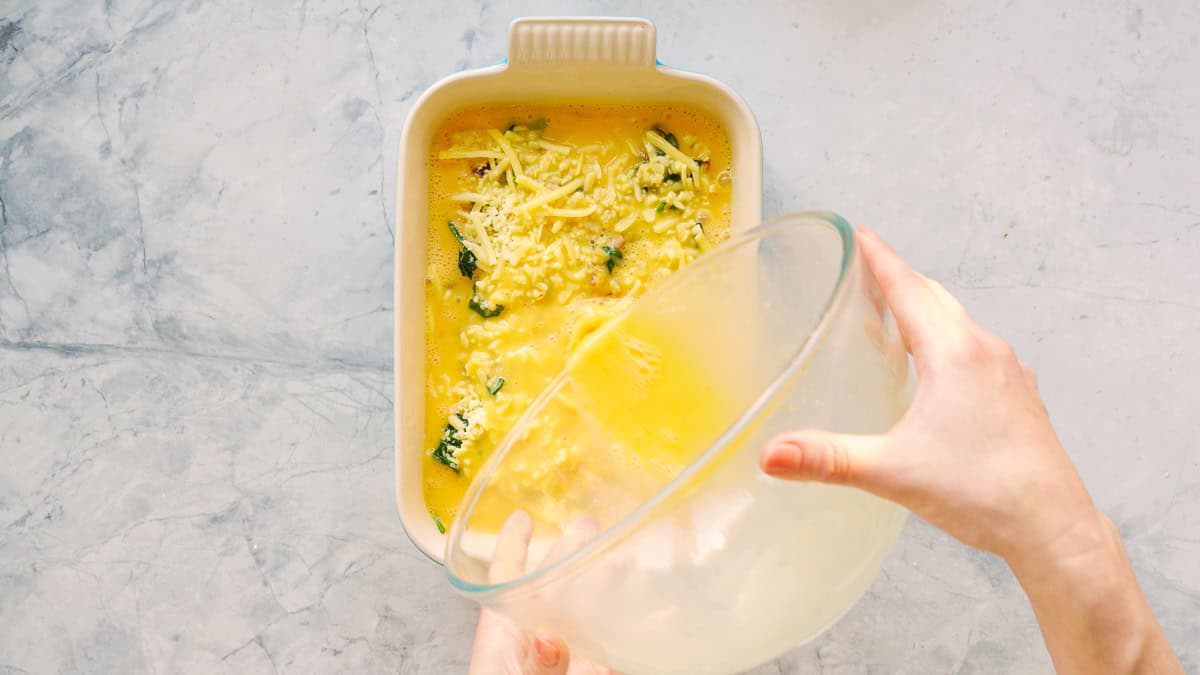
x=544 y=221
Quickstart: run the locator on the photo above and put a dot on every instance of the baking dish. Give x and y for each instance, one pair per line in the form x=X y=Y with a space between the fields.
x=553 y=60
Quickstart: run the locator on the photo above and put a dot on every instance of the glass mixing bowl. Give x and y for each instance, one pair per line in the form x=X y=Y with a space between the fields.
x=669 y=551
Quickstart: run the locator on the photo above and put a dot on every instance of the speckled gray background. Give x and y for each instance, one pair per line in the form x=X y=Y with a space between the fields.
x=196 y=213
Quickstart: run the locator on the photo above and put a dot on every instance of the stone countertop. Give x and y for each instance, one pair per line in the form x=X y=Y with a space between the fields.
x=196 y=228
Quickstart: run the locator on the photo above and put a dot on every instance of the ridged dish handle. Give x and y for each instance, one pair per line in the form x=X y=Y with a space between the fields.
x=598 y=42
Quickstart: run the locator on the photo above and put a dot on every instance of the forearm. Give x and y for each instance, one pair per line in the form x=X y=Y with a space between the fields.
x=1092 y=612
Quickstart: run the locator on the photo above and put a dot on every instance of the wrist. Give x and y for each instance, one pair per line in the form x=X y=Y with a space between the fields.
x=1071 y=549
x=1085 y=595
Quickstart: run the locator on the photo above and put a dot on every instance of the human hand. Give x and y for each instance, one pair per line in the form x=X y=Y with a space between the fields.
x=975 y=455
x=501 y=646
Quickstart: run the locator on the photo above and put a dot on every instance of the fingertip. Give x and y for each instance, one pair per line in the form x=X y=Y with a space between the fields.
x=519 y=521
x=880 y=257
x=577 y=533
x=549 y=649
x=826 y=457
x=781 y=458
x=587 y=525
x=510 y=554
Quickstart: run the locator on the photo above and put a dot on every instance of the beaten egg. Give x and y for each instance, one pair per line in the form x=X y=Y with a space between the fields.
x=545 y=222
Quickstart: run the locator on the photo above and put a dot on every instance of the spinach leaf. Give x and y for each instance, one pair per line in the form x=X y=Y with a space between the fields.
x=448 y=443
x=444 y=455
x=480 y=306
x=613 y=256
x=466 y=262
x=496 y=385
x=668 y=137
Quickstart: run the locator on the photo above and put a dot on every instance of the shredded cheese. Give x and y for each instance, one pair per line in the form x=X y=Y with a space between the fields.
x=530 y=184
x=671 y=151
x=552 y=196
x=573 y=213
x=507 y=149
x=469 y=154
x=553 y=147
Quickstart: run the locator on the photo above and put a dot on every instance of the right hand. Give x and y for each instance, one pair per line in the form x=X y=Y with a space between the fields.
x=975 y=455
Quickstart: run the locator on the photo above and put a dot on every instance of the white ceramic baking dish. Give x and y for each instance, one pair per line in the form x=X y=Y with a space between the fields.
x=588 y=60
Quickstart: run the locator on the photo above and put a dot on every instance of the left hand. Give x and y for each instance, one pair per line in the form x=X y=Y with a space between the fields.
x=501 y=646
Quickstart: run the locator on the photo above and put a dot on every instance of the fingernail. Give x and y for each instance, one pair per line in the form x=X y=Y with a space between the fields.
x=782 y=459
x=868 y=232
x=547 y=651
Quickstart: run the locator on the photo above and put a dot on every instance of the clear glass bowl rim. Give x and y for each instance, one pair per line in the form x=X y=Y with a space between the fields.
x=626 y=525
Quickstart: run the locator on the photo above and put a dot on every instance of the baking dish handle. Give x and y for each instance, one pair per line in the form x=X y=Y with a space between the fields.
x=597 y=42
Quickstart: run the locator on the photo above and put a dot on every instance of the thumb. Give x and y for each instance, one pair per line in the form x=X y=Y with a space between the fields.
x=549 y=656
x=825 y=457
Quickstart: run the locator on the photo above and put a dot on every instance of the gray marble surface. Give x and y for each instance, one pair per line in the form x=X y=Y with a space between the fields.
x=196 y=227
